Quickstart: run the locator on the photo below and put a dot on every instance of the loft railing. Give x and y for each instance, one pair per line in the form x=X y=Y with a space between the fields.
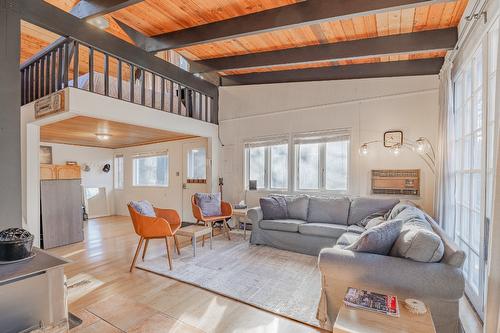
x=71 y=63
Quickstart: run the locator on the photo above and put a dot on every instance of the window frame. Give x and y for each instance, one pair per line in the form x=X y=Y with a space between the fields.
x=322 y=162
x=136 y=157
x=267 y=144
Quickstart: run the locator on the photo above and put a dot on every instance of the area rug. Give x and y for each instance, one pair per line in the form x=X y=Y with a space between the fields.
x=282 y=282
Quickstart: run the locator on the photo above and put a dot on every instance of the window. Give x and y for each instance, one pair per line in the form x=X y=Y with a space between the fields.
x=151 y=171
x=197 y=164
x=118 y=174
x=322 y=161
x=267 y=163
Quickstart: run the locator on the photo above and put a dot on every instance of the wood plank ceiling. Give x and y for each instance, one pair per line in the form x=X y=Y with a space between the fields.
x=156 y=17
x=82 y=131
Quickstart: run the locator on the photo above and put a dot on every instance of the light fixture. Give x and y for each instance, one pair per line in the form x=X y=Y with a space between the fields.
x=420 y=145
x=103 y=136
x=99 y=22
x=363 y=150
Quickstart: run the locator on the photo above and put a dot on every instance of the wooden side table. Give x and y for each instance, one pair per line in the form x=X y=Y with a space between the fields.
x=352 y=320
x=195 y=231
x=240 y=215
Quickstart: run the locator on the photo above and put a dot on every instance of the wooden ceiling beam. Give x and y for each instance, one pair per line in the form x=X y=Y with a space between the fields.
x=299 y=14
x=424 y=41
x=87 y=9
x=381 y=69
x=46 y=16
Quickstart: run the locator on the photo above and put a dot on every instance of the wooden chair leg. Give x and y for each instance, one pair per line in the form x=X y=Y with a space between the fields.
x=226 y=228
x=136 y=253
x=169 y=251
x=203 y=241
x=177 y=245
x=145 y=249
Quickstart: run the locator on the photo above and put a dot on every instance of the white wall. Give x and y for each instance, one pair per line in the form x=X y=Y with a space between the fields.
x=95 y=158
x=369 y=107
x=165 y=197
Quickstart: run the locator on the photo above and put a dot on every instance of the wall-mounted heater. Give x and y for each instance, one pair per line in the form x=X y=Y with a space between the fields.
x=400 y=182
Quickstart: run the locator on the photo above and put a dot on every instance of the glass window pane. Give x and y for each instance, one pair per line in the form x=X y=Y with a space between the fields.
x=466 y=157
x=467 y=117
x=474 y=272
x=197 y=163
x=118 y=174
x=478 y=69
x=279 y=166
x=308 y=165
x=257 y=163
x=336 y=164
x=477 y=149
x=151 y=171
x=477 y=111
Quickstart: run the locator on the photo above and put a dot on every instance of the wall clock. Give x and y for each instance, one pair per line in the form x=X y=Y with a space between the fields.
x=393 y=138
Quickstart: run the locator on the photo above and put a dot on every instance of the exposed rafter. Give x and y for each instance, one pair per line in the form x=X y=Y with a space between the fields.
x=302 y=13
x=48 y=17
x=425 y=41
x=381 y=69
x=86 y=9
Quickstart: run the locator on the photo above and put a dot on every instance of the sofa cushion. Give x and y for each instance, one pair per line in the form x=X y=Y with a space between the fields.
x=322 y=229
x=398 y=209
x=347 y=238
x=355 y=229
x=143 y=207
x=209 y=203
x=281 y=225
x=328 y=210
x=273 y=208
x=379 y=239
x=417 y=240
x=297 y=206
x=362 y=208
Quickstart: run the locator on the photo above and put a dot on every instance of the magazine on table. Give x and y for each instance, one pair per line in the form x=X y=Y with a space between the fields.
x=367 y=300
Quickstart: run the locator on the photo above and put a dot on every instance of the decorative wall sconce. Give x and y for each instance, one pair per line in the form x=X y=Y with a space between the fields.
x=422 y=147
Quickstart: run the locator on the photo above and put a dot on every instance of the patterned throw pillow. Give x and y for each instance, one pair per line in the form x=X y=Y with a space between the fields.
x=209 y=203
x=143 y=207
x=379 y=239
x=273 y=208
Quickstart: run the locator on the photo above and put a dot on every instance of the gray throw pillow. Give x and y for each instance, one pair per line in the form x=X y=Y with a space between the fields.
x=143 y=207
x=417 y=240
x=375 y=222
x=209 y=203
x=273 y=208
x=379 y=239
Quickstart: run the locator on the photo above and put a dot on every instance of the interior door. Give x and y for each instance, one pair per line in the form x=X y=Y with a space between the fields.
x=194 y=175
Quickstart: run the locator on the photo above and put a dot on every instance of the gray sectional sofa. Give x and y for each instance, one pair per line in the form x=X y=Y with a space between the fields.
x=422 y=263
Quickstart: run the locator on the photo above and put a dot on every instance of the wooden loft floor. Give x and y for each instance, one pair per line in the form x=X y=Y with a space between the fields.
x=200 y=30
x=119 y=301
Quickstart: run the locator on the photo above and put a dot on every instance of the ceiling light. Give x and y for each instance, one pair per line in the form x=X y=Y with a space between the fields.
x=99 y=22
x=103 y=136
x=421 y=145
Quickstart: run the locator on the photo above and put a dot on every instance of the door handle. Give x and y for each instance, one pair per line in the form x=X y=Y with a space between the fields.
x=184 y=186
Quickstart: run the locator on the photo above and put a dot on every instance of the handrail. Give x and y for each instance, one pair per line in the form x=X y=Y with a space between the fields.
x=51 y=70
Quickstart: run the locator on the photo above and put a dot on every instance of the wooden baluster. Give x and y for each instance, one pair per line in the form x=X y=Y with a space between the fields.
x=53 y=79
x=179 y=98
x=91 y=69
x=171 y=109
x=66 y=64
x=106 y=74
x=143 y=87
x=132 y=83
x=206 y=108
x=162 y=99
x=60 y=68
x=153 y=91
x=32 y=86
x=47 y=75
x=76 y=64
x=23 y=85
x=119 y=79
x=42 y=77
x=37 y=79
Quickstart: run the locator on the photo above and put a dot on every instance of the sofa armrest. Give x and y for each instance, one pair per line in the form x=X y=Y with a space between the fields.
x=385 y=273
x=255 y=215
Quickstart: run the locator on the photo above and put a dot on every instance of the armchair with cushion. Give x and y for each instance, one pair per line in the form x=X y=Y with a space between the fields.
x=226 y=211
x=158 y=223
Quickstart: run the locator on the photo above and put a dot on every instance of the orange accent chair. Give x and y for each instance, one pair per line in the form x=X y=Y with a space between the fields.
x=227 y=213
x=164 y=225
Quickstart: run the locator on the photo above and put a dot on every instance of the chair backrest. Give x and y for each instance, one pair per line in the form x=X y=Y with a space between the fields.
x=136 y=219
x=196 y=209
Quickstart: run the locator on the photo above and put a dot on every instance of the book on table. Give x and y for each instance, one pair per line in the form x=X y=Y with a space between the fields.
x=371 y=301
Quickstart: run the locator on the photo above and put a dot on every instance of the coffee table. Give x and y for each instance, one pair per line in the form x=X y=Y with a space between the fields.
x=351 y=320
x=195 y=231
